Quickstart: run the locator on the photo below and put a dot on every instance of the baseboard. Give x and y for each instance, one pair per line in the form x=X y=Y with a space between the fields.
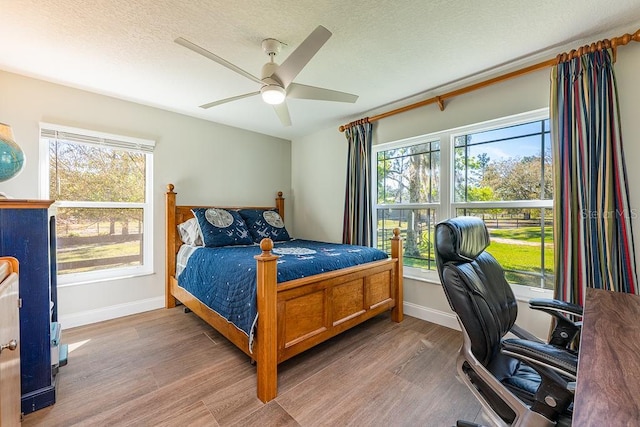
x=111 y=312
x=438 y=317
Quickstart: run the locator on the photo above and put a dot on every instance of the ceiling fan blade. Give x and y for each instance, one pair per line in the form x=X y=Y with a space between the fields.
x=291 y=67
x=299 y=91
x=204 y=52
x=283 y=113
x=224 y=101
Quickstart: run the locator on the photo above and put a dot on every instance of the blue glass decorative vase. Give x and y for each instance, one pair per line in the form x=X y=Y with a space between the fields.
x=11 y=156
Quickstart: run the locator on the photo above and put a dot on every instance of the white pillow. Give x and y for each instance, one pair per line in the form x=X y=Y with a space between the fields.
x=190 y=233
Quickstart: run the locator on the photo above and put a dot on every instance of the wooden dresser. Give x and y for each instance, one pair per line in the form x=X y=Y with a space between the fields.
x=9 y=343
x=27 y=233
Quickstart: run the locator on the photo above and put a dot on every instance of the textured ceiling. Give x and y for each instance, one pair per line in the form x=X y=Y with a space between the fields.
x=382 y=51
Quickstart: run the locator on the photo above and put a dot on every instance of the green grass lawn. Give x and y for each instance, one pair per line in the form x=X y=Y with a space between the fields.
x=98 y=251
x=521 y=257
x=512 y=257
x=105 y=256
x=527 y=234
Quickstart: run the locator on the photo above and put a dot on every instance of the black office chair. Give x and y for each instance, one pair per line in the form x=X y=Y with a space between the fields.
x=519 y=381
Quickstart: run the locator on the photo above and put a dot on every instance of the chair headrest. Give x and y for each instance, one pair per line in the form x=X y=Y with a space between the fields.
x=461 y=239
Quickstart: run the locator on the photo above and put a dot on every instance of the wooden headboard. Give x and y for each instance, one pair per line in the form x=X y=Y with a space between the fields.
x=179 y=214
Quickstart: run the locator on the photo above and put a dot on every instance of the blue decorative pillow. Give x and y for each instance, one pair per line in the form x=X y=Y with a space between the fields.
x=220 y=227
x=263 y=224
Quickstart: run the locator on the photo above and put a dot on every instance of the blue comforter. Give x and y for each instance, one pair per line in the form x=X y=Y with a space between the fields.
x=224 y=278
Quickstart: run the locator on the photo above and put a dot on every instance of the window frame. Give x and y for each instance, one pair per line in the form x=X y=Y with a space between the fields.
x=121 y=142
x=447 y=206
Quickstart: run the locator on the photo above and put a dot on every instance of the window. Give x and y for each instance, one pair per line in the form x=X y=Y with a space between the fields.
x=499 y=171
x=408 y=195
x=102 y=187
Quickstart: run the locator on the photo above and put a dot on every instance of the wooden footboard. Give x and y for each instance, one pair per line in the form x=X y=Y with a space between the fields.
x=296 y=315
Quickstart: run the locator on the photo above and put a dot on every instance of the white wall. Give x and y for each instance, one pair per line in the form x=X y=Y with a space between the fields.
x=321 y=158
x=208 y=163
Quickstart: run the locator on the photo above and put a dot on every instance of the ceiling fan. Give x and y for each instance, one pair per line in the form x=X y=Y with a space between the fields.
x=277 y=80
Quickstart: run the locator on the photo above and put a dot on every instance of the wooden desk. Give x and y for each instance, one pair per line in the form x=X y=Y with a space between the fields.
x=608 y=384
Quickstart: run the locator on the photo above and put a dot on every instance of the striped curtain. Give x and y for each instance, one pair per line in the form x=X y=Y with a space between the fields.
x=357 y=226
x=592 y=233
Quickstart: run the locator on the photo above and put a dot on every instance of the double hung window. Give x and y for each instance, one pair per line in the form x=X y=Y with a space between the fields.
x=102 y=187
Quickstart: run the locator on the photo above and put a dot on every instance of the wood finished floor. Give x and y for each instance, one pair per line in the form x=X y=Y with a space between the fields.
x=168 y=368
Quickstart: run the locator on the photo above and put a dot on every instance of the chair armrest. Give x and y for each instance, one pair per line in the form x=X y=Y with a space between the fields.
x=543 y=355
x=566 y=329
x=555 y=305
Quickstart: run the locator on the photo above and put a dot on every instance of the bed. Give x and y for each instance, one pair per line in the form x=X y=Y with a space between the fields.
x=293 y=315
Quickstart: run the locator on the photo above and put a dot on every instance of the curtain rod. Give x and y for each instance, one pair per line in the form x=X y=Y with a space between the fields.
x=593 y=47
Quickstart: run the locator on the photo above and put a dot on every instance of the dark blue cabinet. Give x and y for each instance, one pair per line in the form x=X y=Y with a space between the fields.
x=27 y=233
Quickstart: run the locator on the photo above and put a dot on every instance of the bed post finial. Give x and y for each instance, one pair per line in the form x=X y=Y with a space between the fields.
x=266 y=245
x=170 y=188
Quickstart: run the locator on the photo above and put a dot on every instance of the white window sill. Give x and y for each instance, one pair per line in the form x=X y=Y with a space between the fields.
x=422 y=275
x=64 y=282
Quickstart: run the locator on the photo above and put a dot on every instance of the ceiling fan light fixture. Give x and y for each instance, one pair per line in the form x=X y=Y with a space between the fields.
x=273 y=94
x=276 y=80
